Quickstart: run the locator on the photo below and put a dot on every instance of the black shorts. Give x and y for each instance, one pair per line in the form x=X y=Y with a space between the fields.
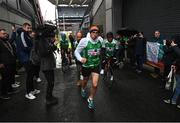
x=86 y=72
x=65 y=50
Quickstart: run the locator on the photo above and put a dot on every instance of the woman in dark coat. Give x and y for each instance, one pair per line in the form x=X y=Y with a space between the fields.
x=175 y=66
x=46 y=48
x=168 y=59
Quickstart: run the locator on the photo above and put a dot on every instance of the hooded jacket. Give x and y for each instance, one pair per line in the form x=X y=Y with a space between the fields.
x=7 y=55
x=24 y=45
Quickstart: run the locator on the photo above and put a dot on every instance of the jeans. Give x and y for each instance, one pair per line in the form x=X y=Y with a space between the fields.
x=29 y=67
x=37 y=70
x=177 y=89
x=176 y=95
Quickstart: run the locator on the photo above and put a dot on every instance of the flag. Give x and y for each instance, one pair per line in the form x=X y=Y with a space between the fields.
x=152 y=51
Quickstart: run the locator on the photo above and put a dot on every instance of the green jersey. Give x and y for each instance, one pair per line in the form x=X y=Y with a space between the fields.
x=123 y=41
x=64 y=44
x=92 y=53
x=110 y=47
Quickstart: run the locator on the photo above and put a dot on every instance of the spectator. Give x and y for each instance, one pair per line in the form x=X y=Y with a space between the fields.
x=7 y=65
x=24 y=47
x=158 y=39
x=12 y=41
x=140 y=51
x=176 y=66
x=120 y=53
x=130 y=51
x=46 y=48
x=168 y=59
x=36 y=58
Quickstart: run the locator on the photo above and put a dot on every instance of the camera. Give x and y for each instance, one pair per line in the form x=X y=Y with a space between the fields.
x=45 y=31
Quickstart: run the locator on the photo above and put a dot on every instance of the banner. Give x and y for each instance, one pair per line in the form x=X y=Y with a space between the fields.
x=152 y=51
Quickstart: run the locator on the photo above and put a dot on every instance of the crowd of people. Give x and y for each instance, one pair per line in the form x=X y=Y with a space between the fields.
x=34 y=49
x=93 y=52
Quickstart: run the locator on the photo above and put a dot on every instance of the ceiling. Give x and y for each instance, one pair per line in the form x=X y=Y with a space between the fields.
x=71 y=12
x=72 y=2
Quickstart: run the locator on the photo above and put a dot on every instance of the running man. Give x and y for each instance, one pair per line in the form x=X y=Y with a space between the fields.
x=109 y=48
x=90 y=59
x=79 y=36
x=65 y=47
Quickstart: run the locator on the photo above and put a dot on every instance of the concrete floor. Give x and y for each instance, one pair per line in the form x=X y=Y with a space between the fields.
x=132 y=98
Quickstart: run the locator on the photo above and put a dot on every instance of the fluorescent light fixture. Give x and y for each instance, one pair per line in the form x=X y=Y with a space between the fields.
x=70 y=2
x=84 y=2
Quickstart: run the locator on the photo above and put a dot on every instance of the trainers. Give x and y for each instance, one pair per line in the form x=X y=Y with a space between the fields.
x=30 y=96
x=173 y=102
x=112 y=78
x=90 y=103
x=116 y=62
x=83 y=93
x=38 y=80
x=102 y=71
x=16 y=82
x=36 y=91
x=138 y=71
x=167 y=101
x=154 y=75
x=121 y=65
x=170 y=102
x=16 y=76
x=5 y=97
x=178 y=106
x=15 y=85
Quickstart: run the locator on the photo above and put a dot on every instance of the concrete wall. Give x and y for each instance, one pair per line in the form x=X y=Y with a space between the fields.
x=99 y=17
x=109 y=16
x=108 y=13
x=151 y=15
x=10 y=18
x=146 y=16
x=13 y=13
x=117 y=15
x=96 y=6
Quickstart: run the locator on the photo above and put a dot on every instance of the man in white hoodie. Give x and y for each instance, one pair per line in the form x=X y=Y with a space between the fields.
x=90 y=48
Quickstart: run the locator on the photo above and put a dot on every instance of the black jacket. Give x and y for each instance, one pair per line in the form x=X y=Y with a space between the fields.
x=140 y=46
x=169 y=55
x=7 y=55
x=46 y=49
x=24 y=45
x=177 y=61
